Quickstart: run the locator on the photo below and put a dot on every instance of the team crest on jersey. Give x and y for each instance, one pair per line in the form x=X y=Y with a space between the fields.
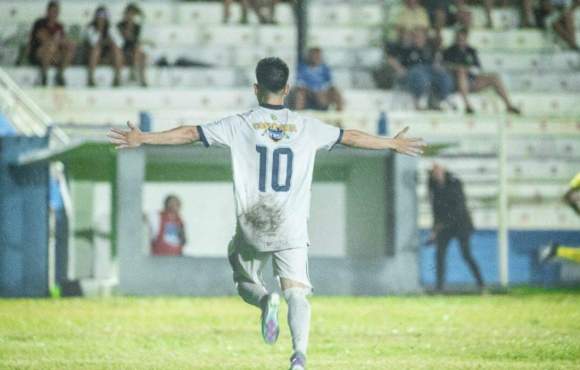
x=275 y=131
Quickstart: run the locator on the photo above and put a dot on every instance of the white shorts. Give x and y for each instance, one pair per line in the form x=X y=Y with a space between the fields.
x=247 y=263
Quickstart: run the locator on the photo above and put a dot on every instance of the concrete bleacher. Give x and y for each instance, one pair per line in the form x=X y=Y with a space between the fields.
x=544 y=80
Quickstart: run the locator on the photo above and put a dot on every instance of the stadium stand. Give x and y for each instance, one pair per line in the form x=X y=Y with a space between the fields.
x=543 y=78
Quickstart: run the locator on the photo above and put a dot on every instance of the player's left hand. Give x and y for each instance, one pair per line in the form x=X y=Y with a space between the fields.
x=408 y=145
x=125 y=139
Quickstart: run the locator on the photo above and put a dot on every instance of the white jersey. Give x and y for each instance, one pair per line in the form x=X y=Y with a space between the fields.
x=273 y=151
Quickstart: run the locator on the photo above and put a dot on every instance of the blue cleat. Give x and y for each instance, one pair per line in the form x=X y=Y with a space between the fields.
x=270 y=326
x=298 y=361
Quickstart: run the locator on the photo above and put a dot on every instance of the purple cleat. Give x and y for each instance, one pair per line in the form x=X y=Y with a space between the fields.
x=298 y=361
x=270 y=326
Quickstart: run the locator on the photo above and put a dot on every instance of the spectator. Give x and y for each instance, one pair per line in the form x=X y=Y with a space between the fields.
x=130 y=31
x=464 y=63
x=48 y=45
x=103 y=44
x=257 y=6
x=558 y=16
x=314 y=87
x=418 y=68
x=444 y=13
x=166 y=229
x=525 y=6
x=411 y=16
x=451 y=219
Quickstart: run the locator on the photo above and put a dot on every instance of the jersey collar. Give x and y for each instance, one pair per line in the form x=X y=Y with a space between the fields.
x=272 y=106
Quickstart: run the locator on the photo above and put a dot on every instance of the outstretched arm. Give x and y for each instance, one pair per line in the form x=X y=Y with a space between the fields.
x=134 y=137
x=399 y=143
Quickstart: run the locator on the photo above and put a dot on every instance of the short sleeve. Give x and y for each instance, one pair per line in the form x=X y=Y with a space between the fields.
x=323 y=135
x=220 y=132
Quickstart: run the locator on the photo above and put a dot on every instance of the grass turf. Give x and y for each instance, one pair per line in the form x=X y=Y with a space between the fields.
x=521 y=330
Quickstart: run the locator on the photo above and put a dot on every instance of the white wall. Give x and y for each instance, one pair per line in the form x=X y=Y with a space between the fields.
x=209 y=216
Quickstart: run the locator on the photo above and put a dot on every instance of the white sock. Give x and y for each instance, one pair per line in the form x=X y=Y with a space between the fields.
x=252 y=293
x=298 y=317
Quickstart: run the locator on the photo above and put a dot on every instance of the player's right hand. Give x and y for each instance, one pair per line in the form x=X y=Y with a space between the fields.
x=125 y=139
x=408 y=145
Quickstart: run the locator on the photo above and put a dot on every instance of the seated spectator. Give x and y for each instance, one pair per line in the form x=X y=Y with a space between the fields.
x=525 y=7
x=103 y=44
x=48 y=45
x=445 y=13
x=558 y=16
x=257 y=6
x=166 y=229
x=463 y=61
x=314 y=87
x=411 y=16
x=417 y=65
x=133 y=54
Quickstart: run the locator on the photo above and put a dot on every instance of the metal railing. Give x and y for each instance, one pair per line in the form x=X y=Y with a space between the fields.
x=26 y=117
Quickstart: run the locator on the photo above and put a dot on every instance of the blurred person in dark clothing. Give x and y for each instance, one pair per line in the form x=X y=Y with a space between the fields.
x=445 y=13
x=558 y=16
x=133 y=54
x=104 y=43
x=451 y=219
x=49 y=45
x=416 y=61
x=257 y=6
x=463 y=61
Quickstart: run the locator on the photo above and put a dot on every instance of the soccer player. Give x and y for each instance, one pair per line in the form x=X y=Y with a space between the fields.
x=272 y=152
x=555 y=250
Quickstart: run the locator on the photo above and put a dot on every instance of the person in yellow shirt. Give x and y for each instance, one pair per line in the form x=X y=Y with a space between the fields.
x=411 y=16
x=569 y=253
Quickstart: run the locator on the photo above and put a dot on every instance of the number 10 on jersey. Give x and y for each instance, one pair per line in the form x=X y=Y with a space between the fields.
x=278 y=155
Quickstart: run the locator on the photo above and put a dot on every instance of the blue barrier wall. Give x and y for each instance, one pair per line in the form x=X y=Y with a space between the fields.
x=23 y=220
x=523 y=264
x=6 y=128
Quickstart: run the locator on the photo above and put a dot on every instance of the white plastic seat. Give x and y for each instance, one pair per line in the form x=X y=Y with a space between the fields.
x=350 y=37
x=229 y=35
x=367 y=14
x=329 y=15
x=205 y=13
x=277 y=36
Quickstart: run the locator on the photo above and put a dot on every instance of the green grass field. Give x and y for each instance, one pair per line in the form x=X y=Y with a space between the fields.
x=522 y=330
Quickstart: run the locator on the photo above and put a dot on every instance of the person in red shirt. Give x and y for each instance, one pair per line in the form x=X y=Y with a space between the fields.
x=49 y=45
x=167 y=231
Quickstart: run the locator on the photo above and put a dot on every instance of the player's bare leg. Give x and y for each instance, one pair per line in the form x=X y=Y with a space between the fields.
x=296 y=294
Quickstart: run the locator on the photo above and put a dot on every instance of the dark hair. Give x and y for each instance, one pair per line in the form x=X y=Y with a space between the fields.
x=272 y=74
x=52 y=3
x=101 y=9
x=169 y=198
